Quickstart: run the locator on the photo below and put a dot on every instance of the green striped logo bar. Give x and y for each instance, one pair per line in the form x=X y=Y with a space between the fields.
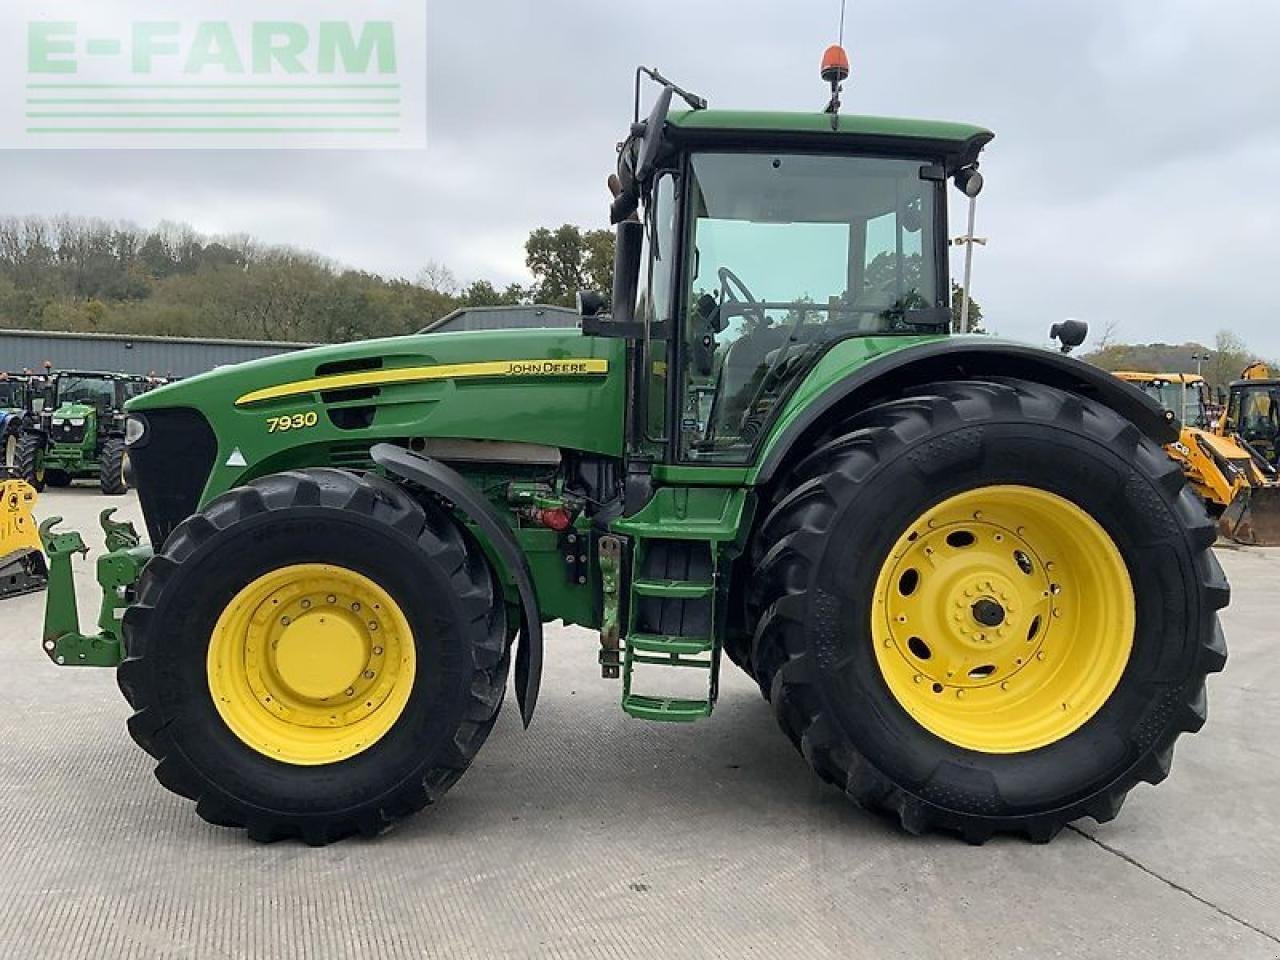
x=274 y=74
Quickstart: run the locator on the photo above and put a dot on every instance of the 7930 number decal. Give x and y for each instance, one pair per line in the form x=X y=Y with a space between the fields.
x=297 y=421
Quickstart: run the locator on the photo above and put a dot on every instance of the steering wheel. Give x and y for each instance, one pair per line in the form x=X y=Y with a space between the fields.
x=728 y=281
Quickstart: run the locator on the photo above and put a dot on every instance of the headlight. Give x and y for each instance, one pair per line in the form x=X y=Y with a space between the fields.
x=135 y=430
x=76 y=421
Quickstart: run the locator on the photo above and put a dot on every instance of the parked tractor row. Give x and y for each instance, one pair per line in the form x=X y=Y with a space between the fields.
x=63 y=426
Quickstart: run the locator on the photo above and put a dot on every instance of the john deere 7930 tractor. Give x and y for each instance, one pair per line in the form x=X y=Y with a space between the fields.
x=974 y=590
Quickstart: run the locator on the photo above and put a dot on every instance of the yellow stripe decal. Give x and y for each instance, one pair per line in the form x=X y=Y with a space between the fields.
x=532 y=369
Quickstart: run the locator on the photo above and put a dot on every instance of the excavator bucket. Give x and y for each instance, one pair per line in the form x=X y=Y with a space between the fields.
x=1253 y=517
x=22 y=564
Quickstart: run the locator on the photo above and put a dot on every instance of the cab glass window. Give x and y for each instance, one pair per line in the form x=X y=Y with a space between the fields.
x=791 y=252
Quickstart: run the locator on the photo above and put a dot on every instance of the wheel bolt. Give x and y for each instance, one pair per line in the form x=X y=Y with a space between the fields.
x=351 y=691
x=332 y=599
x=284 y=621
x=377 y=651
x=368 y=674
x=306 y=604
x=355 y=607
x=373 y=625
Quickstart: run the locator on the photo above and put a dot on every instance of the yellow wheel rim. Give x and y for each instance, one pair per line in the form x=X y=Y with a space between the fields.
x=311 y=664
x=1003 y=619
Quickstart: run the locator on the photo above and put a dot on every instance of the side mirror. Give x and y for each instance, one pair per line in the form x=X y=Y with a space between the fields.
x=591 y=303
x=626 y=283
x=1070 y=333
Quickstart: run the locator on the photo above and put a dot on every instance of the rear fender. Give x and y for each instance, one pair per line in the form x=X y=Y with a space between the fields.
x=443 y=481
x=892 y=374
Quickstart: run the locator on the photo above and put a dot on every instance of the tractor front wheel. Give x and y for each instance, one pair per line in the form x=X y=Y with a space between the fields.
x=315 y=655
x=988 y=607
x=28 y=460
x=111 y=469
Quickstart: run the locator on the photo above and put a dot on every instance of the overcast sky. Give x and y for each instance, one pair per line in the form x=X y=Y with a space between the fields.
x=1132 y=180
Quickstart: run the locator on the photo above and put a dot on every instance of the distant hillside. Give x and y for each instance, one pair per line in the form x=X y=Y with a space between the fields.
x=84 y=275
x=1220 y=364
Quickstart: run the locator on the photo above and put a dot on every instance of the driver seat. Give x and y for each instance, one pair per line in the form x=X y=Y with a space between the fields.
x=745 y=363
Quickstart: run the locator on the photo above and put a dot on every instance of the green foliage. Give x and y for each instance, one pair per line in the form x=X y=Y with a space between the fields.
x=93 y=276
x=482 y=293
x=957 y=310
x=567 y=260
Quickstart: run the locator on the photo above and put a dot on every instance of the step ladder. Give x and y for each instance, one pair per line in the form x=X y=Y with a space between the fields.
x=675 y=611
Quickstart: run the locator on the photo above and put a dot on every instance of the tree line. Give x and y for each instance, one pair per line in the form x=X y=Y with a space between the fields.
x=1219 y=364
x=88 y=275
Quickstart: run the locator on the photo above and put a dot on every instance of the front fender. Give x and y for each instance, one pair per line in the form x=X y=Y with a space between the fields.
x=890 y=374
x=444 y=481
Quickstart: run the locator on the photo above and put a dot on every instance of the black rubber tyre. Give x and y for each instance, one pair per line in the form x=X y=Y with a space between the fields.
x=418 y=554
x=28 y=460
x=830 y=529
x=111 y=469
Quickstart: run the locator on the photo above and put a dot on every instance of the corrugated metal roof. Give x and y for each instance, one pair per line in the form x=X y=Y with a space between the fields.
x=520 y=317
x=123 y=353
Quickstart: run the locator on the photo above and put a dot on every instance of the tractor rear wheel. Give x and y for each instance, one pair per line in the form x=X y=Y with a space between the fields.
x=111 y=469
x=988 y=607
x=29 y=460
x=315 y=655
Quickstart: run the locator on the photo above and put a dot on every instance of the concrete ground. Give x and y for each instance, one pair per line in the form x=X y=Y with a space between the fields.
x=593 y=835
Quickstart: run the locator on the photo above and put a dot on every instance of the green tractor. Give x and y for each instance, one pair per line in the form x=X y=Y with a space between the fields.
x=975 y=592
x=80 y=435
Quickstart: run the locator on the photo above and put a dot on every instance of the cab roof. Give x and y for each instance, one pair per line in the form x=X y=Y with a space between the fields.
x=957 y=143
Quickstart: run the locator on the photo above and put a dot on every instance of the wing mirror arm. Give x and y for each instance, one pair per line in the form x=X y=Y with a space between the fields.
x=621 y=322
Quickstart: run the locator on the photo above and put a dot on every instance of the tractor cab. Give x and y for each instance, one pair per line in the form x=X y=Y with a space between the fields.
x=751 y=244
x=1185 y=395
x=1253 y=414
x=22 y=398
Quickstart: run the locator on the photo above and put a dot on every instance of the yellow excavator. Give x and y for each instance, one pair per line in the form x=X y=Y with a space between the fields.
x=22 y=565
x=1252 y=420
x=1233 y=475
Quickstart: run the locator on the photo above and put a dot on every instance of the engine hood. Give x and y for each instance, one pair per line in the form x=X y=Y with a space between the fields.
x=331 y=404
x=74 y=411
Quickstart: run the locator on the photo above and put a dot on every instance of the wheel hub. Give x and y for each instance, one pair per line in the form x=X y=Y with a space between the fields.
x=988 y=612
x=320 y=655
x=981 y=626
x=311 y=663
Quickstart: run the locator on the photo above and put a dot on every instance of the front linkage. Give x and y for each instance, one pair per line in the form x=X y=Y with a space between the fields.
x=118 y=571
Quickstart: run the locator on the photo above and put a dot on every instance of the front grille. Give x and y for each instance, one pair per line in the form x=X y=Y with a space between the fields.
x=171 y=468
x=67 y=433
